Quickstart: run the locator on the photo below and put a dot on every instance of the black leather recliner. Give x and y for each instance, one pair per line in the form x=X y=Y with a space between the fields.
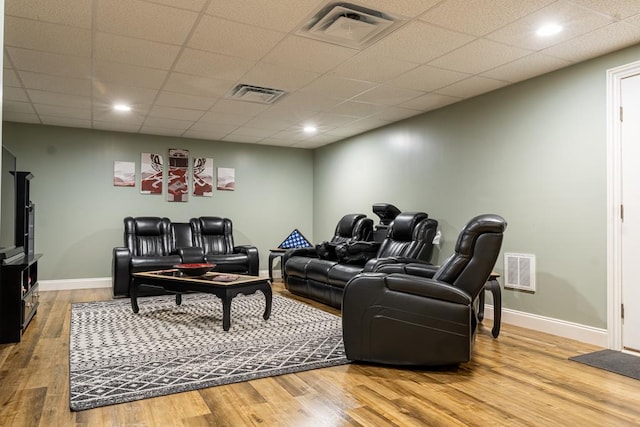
x=412 y=319
x=213 y=241
x=305 y=273
x=149 y=245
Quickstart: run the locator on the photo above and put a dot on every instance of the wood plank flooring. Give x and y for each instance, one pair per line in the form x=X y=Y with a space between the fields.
x=523 y=378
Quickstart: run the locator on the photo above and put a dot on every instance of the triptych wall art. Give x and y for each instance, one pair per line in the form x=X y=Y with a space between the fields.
x=152 y=169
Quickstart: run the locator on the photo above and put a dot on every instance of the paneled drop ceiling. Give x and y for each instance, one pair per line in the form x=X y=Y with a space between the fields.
x=67 y=62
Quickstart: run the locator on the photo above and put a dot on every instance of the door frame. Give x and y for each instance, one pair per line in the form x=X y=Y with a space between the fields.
x=614 y=200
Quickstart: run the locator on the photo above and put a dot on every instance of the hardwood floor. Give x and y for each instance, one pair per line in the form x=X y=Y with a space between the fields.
x=523 y=378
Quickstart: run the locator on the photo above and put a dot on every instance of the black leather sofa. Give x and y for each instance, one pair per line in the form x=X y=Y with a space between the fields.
x=417 y=314
x=311 y=274
x=155 y=243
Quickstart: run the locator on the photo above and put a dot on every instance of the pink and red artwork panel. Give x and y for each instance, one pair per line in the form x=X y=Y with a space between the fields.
x=151 y=170
x=178 y=179
x=202 y=176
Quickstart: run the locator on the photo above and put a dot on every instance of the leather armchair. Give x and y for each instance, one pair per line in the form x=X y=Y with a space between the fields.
x=213 y=237
x=148 y=246
x=424 y=317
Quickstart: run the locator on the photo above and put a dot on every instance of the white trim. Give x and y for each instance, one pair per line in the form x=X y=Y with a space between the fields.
x=548 y=325
x=614 y=199
x=71 y=284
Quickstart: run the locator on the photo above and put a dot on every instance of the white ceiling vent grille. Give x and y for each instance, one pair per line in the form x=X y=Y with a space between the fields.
x=349 y=25
x=520 y=271
x=249 y=93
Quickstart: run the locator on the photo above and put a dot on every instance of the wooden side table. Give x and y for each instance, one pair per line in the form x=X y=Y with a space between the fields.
x=492 y=286
x=273 y=255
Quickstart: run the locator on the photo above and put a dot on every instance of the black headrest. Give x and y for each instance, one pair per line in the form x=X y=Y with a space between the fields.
x=148 y=226
x=487 y=223
x=404 y=224
x=346 y=224
x=386 y=212
x=213 y=225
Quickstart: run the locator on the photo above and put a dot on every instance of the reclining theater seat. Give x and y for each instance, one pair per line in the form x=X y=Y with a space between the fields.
x=148 y=246
x=410 y=237
x=214 y=236
x=423 y=317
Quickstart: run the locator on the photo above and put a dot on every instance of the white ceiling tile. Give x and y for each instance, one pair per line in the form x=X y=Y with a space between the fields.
x=372 y=68
x=233 y=39
x=357 y=109
x=49 y=63
x=195 y=5
x=266 y=124
x=368 y=124
x=215 y=117
x=479 y=56
x=128 y=50
x=307 y=54
x=209 y=136
x=575 y=21
x=393 y=114
x=15 y=94
x=51 y=83
x=471 y=87
x=195 y=85
x=65 y=121
x=277 y=142
x=53 y=98
x=274 y=76
x=239 y=107
x=219 y=129
x=132 y=118
x=17 y=106
x=115 y=126
x=61 y=111
x=114 y=93
x=426 y=78
x=12 y=116
x=127 y=75
x=527 y=67
x=308 y=101
x=283 y=15
x=252 y=132
x=144 y=20
x=10 y=77
x=479 y=17
x=387 y=95
x=344 y=132
x=155 y=122
x=419 y=42
x=618 y=9
x=329 y=120
x=75 y=13
x=212 y=65
x=599 y=42
x=43 y=36
x=174 y=113
x=406 y=8
x=184 y=101
x=333 y=86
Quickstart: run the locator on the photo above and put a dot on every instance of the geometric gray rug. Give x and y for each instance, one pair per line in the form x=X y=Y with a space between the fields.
x=613 y=361
x=117 y=356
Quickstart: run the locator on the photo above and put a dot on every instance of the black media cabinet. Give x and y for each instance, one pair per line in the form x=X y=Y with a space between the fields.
x=19 y=293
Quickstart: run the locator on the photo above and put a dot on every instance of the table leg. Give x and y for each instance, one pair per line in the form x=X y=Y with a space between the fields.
x=494 y=287
x=481 y=305
x=226 y=312
x=266 y=290
x=133 y=292
x=178 y=299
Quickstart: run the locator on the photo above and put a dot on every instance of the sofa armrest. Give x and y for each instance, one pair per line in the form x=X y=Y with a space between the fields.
x=252 y=254
x=399 y=265
x=191 y=255
x=121 y=271
x=427 y=288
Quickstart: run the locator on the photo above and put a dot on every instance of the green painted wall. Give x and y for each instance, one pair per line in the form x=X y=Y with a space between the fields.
x=79 y=212
x=534 y=152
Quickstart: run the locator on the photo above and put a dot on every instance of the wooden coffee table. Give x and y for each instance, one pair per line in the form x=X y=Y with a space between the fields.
x=218 y=284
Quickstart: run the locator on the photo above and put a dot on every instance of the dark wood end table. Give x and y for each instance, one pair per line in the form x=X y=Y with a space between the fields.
x=214 y=283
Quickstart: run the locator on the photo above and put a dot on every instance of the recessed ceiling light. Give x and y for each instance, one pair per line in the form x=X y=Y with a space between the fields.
x=548 y=30
x=310 y=129
x=121 y=107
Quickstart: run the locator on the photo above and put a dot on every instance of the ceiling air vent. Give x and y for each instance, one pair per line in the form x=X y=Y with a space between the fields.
x=249 y=93
x=349 y=25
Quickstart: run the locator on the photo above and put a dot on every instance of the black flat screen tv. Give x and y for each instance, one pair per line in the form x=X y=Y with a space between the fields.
x=8 y=205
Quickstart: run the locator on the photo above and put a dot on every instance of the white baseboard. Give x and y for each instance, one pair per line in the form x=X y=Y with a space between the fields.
x=71 y=284
x=561 y=328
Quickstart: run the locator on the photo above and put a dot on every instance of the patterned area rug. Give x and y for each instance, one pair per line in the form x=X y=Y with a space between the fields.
x=116 y=356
